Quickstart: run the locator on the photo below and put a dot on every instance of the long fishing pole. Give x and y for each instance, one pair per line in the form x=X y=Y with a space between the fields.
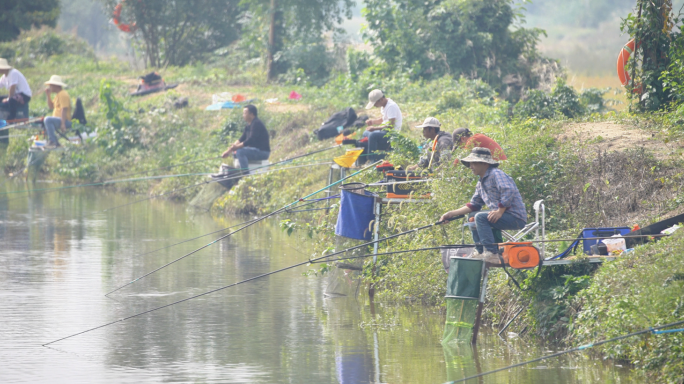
x=224 y=179
x=170 y=166
x=388 y=237
x=241 y=228
x=115 y=181
x=204 y=183
x=653 y=330
x=210 y=233
x=211 y=291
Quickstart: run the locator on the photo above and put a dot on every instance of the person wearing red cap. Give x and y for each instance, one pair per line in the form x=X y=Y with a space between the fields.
x=463 y=138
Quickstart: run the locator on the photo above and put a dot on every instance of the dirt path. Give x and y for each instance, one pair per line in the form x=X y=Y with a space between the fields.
x=611 y=136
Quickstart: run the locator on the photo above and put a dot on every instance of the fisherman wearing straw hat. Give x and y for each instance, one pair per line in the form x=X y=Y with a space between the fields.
x=498 y=192
x=61 y=109
x=437 y=150
x=19 y=90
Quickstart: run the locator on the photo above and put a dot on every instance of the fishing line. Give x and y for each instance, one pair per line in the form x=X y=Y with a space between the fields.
x=581 y=347
x=207 y=234
x=209 y=182
x=217 y=289
x=243 y=227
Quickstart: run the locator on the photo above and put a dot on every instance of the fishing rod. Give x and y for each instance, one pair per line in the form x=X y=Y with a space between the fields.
x=21 y=123
x=216 y=180
x=170 y=166
x=241 y=228
x=654 y=330
x=210 y=291
x=115 y=181
x=225 y=179
x=210 y=233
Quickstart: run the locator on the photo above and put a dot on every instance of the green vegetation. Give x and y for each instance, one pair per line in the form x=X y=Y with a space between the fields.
x=583 y=184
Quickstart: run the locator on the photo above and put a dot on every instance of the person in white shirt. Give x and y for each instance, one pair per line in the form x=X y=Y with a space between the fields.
x=377 y=128
x=19 y=90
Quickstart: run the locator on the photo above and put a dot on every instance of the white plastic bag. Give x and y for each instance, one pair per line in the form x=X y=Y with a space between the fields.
x=616 y=243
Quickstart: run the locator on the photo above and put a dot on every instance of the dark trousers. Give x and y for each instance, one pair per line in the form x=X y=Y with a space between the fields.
x=13 y=105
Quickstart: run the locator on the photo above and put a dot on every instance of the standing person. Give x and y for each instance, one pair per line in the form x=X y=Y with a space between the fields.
x=254 y=142
x=61 y=109
x=465 y=139
x=437 y=151
x=391 y=119
x=498 y=192
x=19 y=92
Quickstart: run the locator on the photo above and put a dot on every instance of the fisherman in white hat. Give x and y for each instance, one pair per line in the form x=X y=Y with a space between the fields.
x=19 y=90
x=437 y=149
x=61 y=109
x=498 y=192
x=377 y=128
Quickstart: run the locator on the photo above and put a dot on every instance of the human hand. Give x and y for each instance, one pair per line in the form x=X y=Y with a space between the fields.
x=227 y=152
x=494 y=216
x=369 y=122
x=62 y=128
x=446 y=217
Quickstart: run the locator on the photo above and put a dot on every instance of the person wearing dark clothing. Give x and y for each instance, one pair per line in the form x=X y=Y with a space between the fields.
x=254 y=142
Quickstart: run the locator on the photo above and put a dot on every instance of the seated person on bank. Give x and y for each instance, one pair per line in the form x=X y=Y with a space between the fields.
x=498 y=192
x=377 y=128
x=19 y=90
x=61 y=110
x=254 y=142
x=463 y=138
x=437 y=150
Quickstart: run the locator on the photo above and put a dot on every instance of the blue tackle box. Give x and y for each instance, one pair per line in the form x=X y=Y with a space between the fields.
x=600 y=232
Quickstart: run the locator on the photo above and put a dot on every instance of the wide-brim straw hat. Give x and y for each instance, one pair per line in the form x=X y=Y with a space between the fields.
x=4 y=64
x=56 y=80
x=479 y=155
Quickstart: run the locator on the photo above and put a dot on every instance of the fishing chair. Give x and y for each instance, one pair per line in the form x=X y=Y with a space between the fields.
x=501 y=235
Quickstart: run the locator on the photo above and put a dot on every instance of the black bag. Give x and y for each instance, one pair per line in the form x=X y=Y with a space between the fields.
x=79 y=112
x=151 y=78
x=343 y=118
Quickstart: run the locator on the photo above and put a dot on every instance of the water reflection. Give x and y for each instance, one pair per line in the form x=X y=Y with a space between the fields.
x=61 y=253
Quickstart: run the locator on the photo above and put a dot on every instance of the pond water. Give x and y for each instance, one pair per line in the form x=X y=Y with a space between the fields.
x=61 y=253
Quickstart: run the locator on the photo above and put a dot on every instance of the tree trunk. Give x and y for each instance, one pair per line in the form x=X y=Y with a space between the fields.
x=274 y=39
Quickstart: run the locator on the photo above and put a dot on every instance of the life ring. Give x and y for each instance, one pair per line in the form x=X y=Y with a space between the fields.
x=116 y=18
x=623 y=57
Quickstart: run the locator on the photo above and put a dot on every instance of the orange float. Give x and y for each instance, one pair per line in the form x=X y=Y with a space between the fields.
x=116 y=18
x=623 y=57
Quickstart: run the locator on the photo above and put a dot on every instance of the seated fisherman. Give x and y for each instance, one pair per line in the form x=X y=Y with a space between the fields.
x=61 y=110
x=254 y=142
x=463 y=138
x=377 y=128
x=498 y=192
x=438 y=150
x=19 y=90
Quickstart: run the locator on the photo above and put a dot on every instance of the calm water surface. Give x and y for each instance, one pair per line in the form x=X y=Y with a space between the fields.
x=60 y=254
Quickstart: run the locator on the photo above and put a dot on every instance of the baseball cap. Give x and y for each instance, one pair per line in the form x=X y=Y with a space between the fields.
x=373 y=98
x=430 y=122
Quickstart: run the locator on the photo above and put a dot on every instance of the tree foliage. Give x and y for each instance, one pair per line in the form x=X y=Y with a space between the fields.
x=290 y=33
x=652 y=29
x=16 y=16
x=472 y=38
x=180 y=32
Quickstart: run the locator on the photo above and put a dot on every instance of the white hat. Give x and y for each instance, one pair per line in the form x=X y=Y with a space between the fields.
x=373 y=98
x=479 y=155
x=4 y=64
x=56 y=80
x=430 y=122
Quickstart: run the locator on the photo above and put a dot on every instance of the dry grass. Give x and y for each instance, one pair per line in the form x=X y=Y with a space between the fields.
x=582 y=81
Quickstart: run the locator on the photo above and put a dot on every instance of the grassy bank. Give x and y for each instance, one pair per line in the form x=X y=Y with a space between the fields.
x=561 y=148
